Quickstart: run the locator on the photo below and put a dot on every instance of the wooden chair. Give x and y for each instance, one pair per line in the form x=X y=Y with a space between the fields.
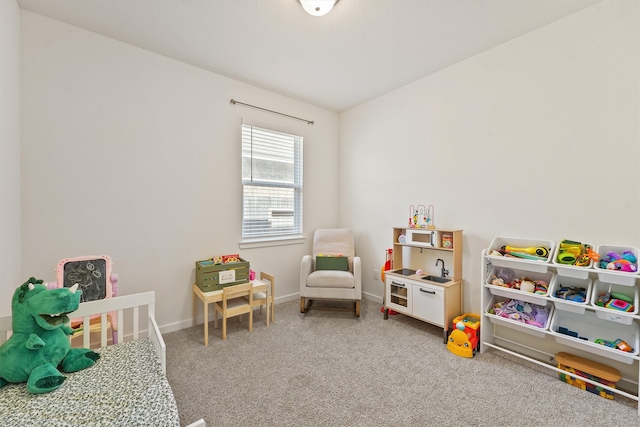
x=234 y=304
x=265 y=298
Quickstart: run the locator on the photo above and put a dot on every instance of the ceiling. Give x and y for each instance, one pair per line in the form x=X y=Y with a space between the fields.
x=360 y=50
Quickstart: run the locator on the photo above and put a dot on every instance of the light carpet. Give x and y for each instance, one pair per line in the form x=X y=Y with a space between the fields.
x=330 y=368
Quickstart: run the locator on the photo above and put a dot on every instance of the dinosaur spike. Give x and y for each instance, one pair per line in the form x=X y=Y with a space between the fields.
x=73 y=289
x=31 y=286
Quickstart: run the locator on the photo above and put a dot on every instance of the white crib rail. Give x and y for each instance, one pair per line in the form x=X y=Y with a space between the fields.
x=119 y=304
x=115 y=304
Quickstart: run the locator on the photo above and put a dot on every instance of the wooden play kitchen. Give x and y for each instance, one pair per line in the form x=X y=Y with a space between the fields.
x=434 y=298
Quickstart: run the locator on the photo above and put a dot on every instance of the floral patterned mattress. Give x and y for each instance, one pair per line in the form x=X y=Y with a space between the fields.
x=125 y=387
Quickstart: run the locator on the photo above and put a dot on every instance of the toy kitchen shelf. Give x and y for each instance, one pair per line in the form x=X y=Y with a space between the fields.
x=586 y=321
x=426 y=297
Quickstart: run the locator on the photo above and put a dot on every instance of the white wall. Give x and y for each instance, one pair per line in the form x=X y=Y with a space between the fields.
x=9 y=153
x=537 y=138
x=137 y=156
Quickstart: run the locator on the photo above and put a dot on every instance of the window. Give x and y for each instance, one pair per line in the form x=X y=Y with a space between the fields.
x=271 y=184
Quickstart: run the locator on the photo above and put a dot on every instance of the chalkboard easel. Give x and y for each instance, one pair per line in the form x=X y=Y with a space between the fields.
x=91 y=273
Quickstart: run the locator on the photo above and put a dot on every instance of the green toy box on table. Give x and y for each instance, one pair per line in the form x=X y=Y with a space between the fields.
x=215 y=273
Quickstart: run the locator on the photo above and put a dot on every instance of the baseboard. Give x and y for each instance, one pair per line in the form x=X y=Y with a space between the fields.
x=372 y=297
x=183 y=324
x=286 y=298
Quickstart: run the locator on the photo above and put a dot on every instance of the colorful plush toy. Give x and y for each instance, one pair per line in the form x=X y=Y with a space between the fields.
x=626 y=261
x=39 y=344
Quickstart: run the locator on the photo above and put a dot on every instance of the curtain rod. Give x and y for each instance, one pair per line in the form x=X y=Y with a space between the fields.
x=234 y=102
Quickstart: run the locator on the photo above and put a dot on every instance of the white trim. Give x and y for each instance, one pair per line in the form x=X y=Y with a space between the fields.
x=271 y=241
x=372 y=297
x=184 y=324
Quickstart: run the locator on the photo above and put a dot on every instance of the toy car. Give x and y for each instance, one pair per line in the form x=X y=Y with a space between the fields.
x=464 y=340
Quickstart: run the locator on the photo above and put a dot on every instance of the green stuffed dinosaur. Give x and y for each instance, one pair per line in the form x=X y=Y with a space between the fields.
x=39 y=344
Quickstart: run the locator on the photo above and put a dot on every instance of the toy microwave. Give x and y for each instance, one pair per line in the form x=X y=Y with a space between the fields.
x=420 y=237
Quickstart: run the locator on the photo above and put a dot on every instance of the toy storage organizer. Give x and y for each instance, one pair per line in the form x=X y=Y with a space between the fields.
x=572 y=326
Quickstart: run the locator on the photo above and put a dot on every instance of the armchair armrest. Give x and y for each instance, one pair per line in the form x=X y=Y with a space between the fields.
x=357 y=275
x=306 y=268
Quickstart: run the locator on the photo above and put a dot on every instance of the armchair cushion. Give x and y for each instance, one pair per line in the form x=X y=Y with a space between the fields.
x=330 y=279
x=332 y=263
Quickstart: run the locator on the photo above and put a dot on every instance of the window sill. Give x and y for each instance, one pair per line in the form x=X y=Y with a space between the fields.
x=272 y=241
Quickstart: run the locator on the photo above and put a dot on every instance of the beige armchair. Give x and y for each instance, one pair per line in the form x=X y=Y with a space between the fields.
x=330 y=284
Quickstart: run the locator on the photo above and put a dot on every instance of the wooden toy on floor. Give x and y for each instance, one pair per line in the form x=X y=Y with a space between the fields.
x=587 y=369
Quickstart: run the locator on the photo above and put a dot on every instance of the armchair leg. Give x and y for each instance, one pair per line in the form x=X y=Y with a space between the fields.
x=358 y=308
x=304 y=307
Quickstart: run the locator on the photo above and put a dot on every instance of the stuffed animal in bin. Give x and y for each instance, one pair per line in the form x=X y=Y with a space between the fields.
x=39 y=344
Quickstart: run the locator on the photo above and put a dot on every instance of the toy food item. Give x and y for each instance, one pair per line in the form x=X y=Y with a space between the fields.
x=605 y=343
x=527 y=286
x=622 y=345
x=496 y=281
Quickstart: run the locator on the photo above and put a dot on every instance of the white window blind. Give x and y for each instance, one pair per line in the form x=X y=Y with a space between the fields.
x=271 y=183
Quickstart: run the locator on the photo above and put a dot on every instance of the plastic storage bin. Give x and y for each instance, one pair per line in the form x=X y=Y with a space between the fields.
x=518 y=294
x=540 y=266
x=514 y=324
x=568 y=305
x=612 y=314
x=589 y=328
x=613 y=276
x=570 y=270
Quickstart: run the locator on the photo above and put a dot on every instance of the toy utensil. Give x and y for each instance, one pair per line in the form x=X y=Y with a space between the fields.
x=525 y=255
x=533 y=250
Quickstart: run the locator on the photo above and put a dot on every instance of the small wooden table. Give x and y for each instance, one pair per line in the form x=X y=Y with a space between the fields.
x=213 y=296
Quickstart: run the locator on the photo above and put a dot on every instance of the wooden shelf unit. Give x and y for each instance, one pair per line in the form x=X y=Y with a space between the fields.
x=455 y=269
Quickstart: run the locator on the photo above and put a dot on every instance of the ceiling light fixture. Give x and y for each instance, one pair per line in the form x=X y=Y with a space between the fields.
x=318 y=7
